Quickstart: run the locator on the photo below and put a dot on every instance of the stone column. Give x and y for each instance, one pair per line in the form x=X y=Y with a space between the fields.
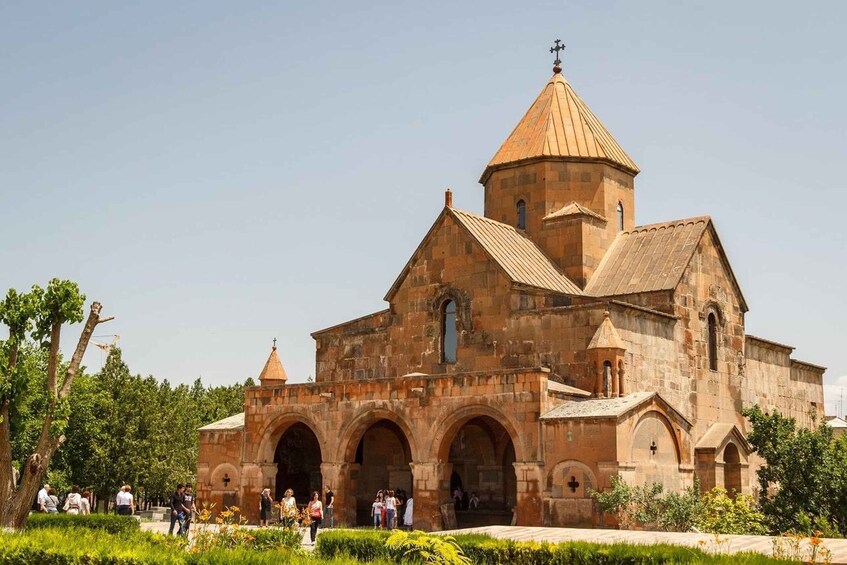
x=528 y=506
x=337 y=475
x=431 y=486
x=621 y=374
x=249 y=491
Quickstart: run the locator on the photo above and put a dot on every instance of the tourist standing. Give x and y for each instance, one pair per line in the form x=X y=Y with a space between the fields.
x=328 y=507
x=376 y=510
x=51 y=503
x=288 y=509
x=401 y=499
x=85 y=503
x=474 y=502
x=189 y=508
x=316 y=514
x=177 y=514
x=390 y=510
x=265 y=505
x=124 y=501
x=42 y=497
x=408 y=517
x=73 y=503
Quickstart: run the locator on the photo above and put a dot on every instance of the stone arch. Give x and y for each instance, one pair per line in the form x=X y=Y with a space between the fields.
x=662 y=429
x=447 y=427
x=225 y=469
x=367 y=417
x=479 y=447
x=273 y=430
x=712 y=307
x=378 y=446
x=656 y=452
x=560 y=475
x=732 y=469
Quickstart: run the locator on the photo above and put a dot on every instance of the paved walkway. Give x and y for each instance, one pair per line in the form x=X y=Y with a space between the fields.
x=706 y=542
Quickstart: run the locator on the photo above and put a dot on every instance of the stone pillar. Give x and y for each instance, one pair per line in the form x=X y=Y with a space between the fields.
x=431 y=486
x=620 y=379
x=598 y=385
x=528 y=506
x=249 y=491
x=337 y=476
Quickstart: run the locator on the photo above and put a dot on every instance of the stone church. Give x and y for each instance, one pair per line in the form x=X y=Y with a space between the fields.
x=527 y=355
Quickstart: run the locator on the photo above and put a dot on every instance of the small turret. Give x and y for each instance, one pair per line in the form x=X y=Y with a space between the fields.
x=273 y=374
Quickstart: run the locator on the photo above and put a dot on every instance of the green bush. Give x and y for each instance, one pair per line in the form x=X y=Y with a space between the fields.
x=371 y=545
x=111 y=523
x=365 y=545
x=723 y=514
x=420 y=547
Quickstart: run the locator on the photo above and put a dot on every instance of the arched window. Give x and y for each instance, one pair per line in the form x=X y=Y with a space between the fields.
x=713 y=342
x=449 y=340
x=620 y=216
x=521 y=215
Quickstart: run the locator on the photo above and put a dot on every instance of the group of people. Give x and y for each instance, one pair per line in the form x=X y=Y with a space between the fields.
x=75 y=503
x=392 y=510
x=316 y=510
x=183 y=507
x=462 y=502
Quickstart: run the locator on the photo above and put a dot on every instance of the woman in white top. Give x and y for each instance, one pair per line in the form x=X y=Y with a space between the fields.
x=124 y=501
x=288 y=509
x=316 y=515
x=390 y=510
x=73 y=503
x=85 y=504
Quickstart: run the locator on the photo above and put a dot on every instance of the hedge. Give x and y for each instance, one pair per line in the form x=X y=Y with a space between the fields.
x=110 y=523
x=368 y=545
x=83 y=546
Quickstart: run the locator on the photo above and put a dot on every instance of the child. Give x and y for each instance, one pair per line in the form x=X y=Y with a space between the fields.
x=376 y=511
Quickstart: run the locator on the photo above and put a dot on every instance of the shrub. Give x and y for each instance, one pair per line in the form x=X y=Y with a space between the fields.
x=110 y=523
x=648 y=507
x=419 y=547
x=365 y=545
x=485 y=550
x=722 y=514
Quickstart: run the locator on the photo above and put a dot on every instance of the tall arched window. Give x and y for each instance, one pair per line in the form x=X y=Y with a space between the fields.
x=521 y=215
x=620 y=216
x=449 y=340
x=713 y=342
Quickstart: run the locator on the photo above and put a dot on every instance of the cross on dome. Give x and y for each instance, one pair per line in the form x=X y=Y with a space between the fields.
x=557 y=64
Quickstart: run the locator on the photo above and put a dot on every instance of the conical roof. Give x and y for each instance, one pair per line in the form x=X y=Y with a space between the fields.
x=559 y=124
x=606 y=336
x=273 y=370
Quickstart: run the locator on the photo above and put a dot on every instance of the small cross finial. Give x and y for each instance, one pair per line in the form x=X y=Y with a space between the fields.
x=274 y=344
x=557 y=64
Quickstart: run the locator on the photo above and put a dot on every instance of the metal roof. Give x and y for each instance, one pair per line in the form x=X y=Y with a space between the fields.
x=559 y=124
x=516 y=254
x=647 y=258
x=232 y=423
x=598 y=407
x=574 y=209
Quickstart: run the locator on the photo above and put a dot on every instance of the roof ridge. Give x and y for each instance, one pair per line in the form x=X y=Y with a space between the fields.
x=645 y=227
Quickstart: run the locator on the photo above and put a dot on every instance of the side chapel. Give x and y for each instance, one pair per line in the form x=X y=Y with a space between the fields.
x=527 y=355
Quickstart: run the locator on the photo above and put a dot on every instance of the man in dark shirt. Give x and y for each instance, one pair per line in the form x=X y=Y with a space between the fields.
x=177 y=511
x=187 y=508
x=328 y=506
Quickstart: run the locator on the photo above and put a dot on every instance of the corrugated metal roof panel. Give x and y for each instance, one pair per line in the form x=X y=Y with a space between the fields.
x=523 y=262
x=647 y=258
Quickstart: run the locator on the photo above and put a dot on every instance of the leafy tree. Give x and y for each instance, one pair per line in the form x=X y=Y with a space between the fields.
x=39 y=314
x=803 y=484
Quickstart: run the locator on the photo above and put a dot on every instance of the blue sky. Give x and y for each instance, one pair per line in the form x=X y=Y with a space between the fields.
x=218 y=174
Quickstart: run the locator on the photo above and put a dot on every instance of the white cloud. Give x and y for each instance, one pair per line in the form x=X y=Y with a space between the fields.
x=833 y=393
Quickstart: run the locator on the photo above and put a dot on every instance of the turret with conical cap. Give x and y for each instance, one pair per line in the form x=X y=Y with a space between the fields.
x=273 y=373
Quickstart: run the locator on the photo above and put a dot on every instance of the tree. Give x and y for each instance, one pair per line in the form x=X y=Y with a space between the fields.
x=40 y=314
x=802 y=485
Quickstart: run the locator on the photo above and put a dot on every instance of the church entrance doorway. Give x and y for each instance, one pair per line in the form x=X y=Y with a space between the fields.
x=381 y=462
x=731 y=470
x=483 y=483
x=298 y=463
